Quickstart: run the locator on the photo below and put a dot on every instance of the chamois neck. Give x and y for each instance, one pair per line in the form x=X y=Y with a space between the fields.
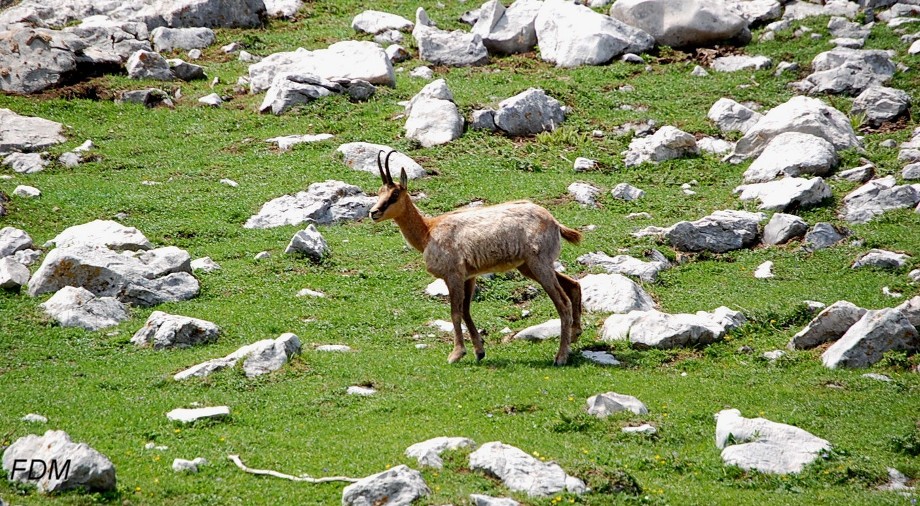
x=414 y=227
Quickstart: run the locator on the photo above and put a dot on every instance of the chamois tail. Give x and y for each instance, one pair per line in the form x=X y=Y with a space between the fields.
x=571 y=235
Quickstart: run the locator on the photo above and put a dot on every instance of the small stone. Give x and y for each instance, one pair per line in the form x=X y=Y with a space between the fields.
x=213 y=100
x=422 y=72
x=600 y=357
x=603 y=405
x=774 y=355
x=306 y=292
x=877 y=377
x=627 y=192
x=645 y=428
x=583 y=164
x=764 y=270
x=194 y=54
x=184 y=415
x=27 y=191
x=699 y=71
x=262 y=255
x=632 y=58
x=34 y=418
x=360 y=390
x=310 y=243
x=334 y=348
x=189 y=466
x=204 y=264
x=232 y=47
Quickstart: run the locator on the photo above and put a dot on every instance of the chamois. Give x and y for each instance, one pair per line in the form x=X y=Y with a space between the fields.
x=459 y=245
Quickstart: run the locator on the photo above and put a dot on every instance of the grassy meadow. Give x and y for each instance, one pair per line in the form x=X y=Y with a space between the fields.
x=102 y=390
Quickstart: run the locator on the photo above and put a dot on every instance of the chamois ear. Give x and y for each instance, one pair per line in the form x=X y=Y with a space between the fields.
x=403 y=178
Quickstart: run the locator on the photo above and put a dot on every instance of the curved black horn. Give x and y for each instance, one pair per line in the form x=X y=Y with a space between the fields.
x=386 y=164
x=383 y=176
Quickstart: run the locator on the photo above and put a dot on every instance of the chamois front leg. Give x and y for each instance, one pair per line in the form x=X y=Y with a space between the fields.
x=469 y=290
x=456 y=291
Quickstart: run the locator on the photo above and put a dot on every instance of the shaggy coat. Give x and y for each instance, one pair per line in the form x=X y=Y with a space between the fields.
x=462 y=244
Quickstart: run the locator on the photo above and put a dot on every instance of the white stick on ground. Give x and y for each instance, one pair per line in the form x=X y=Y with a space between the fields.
x=268 y=472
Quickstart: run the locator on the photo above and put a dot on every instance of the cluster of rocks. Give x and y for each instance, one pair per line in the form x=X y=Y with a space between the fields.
x=322 y=203
x=23 y=140
x=861 y=337
x=16 y=254
x=68 y=465
x=768 y=447
x=260 y=357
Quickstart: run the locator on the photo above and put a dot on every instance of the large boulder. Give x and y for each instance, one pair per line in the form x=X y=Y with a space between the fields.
x=148 y=65
x=761 y=445
x=571 y=35
x=398 y=485
x=78 y=307
x=349 y=60
x=163 y=330
x=719 y=232
x=508 y=31
x=101 y=234
x=785 y=193
x=322 y=203
x=522 y=472
x=847 y=71
x=876 y=197
x=730 y=116
x=654 y=329
x=13 y=274
x=879 y=104
x=12 y=240
x=528 y=113
x=36 y=58
x=782 y=228
x=681 y=23
x=829 y=325
x=440 y=47
x=876 y=333
x=147 y=279
x=614 y=293
x=69 y=465
x=792 y=154
x=27 y=133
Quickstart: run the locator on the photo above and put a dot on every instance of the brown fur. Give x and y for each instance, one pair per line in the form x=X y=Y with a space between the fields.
x=462 y=244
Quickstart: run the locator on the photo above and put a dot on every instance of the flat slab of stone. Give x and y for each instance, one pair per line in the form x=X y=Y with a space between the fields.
x=28 y=133
x=286 y=142
x=762 y=445
x=719 y=232
x=521 y=472
x=736 y=63
x=189 y=415
x=102 y=233
x=349 y=60
x=547 y=330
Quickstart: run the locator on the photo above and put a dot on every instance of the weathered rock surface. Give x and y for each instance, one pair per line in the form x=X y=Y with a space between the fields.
x=868 y=339
x=881 y=259
x=101 y=234
x=374 y=22
x=171 y=39
x=27 y=133
x=26 y=163
x=757 y=12
x=78 y=307
x=876 y=197
x=681 y=23
x=613 y=293
x=719 y=232
x=149 y=97
x=260 y=357
x=398 y=485
x=786 y=193
x=13 y=274
x=428 y=453
x=164 y=330
x=485 y=500
x=654 y=329
x=765 y=446
x=799 y=114
x=792 y=154
x=440 y=47
x=547 y=330
x=85 y=467
x=310 y=243
x=153 y=277
x=185 y=71
x=584 y=193
x=624 y=264
x=148 y=65
x=627 y=192
x=822 y=235
x=571 y=35
x=667 y=143
x=606 y=404
x=737 y=63
x=290 y=89
x=521 y=472
x=730 y=116
x=508 y=31
x=528 y=113
x=12 y=240
x=189 y=415
x=829 y=325
x=782 y=228
x=879 y=104
x=433 y=117
x=847 y=71
x=348 y=60
x=204 y=264
x=363 y=156
x=323 y=203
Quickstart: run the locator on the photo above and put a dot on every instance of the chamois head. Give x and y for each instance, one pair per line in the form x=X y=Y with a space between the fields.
x=392 y=198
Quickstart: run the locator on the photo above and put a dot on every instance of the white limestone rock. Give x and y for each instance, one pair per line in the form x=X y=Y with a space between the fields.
x=204 y=264
x=347 y=60
x=374 y=22
x=600 y=357
x=764 y=270
x=626 y=192
x=88 y=469
x=730 y=116
x=28 y=133
x=719 y=232
x=322 y=203
x=613 y=293
x=868 y=339
x=428 y=453
x=13 y=274
x=433 y=119
x=101 y=234
x=624 y=264
x=148 y=65
x=606 y=404
x=164 y=330
x=768 y=447
x=792 y=154
x=785 y=193
x=167 y=39
x=78 y=307
x=736 y=63
x=12 y=240
x=667 y=143
x=682 y=23
x=829 y=325
x=189 y=415
x=440 y=47
x=398 y=485
x=876 y=197
x=363 y=156
x=782 y=228
x=881 y=259
x=822 y=235
x=309 y=242
x=529 y=113
x=551 y=329
x=260 y=357
x=521 y=472
x=847 y=71
x=880 y=104
x=584 y=193
x=508 y=31
x=25 y=163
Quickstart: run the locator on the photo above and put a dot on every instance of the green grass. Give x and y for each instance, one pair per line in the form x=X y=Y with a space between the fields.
x=103 y=391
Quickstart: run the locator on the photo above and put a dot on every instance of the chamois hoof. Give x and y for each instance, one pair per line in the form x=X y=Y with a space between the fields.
x=455 y=356
x=561 y=360
x=480 y=355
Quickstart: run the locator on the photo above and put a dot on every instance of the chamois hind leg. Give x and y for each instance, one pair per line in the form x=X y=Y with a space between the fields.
x=546 y=276
x=456 y=291
x=469 y=289
x=573 y=290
